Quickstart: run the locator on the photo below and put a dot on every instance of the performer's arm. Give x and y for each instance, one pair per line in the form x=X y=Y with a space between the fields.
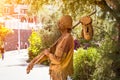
x=57 y=57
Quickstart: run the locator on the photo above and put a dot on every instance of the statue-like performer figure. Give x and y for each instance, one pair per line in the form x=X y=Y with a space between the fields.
x=60 y=54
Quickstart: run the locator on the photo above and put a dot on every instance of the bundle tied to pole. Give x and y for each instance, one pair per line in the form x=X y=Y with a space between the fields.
x=87 y=28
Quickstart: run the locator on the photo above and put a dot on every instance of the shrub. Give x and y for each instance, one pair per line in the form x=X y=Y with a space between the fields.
x=35 y=43
x=85 y=63
x=109 y=62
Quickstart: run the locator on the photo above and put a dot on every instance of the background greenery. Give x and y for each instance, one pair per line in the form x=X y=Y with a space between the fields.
x=85 y=63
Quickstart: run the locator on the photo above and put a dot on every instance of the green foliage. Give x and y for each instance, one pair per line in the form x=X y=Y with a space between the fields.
x=109 y=62
x=75 y=8
x=48 y=37
x=104 y=71
x=85 y=63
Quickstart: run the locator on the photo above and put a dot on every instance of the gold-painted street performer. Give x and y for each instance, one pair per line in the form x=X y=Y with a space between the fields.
x=60 y=54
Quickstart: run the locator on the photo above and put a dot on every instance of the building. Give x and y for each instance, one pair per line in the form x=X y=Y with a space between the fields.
x=15 y=17
x=11 y=41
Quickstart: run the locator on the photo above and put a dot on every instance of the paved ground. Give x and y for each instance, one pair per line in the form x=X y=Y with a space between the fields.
x=13 y=67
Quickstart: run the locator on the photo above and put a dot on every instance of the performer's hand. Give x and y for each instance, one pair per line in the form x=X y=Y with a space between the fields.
x=30 y=66
x=46 y=52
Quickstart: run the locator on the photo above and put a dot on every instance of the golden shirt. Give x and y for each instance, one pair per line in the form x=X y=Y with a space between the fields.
x=62 y=59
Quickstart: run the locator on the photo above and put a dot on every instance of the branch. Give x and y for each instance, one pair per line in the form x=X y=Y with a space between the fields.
x=107 y=8
x=114 y=5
